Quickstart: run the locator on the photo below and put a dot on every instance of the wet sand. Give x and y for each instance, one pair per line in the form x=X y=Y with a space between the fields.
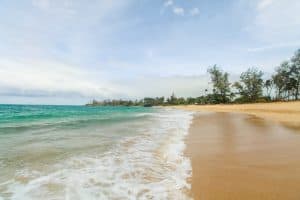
x=240 y=157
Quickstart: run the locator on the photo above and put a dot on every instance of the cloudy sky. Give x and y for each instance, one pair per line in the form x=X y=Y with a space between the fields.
x=71 y=51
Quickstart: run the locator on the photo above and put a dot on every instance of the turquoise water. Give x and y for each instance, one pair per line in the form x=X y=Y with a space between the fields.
x=78 y=152
x=19 y=117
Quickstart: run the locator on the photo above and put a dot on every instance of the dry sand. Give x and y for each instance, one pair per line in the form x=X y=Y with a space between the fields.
x=239 y=157
x=287 y=113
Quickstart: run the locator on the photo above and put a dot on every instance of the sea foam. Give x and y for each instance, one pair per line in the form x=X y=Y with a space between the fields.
x=150 y=165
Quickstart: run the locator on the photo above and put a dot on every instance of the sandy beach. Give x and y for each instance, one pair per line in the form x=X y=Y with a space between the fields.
x=287 y=113
x=242 y=152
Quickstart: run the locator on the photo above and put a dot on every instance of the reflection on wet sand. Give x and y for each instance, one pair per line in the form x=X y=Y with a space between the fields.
x=236 y=156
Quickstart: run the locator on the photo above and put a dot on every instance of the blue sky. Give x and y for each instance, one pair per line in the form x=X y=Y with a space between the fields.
x=71 y=51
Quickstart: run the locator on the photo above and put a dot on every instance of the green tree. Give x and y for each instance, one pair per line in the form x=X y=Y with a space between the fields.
x=295 y=73
x=160 y=100
x=281 y=79
x=221 y=85
x=191 y=100
x=268 y=85
x=250 y=85
x=172 y=100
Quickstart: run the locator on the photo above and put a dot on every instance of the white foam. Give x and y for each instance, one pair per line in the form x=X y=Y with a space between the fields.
x=147 y=166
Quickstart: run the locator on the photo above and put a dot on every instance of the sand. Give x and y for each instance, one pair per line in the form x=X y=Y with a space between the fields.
x=239 y=156
x=287 y=113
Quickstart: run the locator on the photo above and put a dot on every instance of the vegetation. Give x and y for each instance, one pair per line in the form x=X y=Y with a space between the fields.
x=283 y=85
x=221 y=85
x=250 y=86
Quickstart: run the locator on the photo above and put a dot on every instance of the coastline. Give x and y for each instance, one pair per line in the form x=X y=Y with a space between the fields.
x=241 y=152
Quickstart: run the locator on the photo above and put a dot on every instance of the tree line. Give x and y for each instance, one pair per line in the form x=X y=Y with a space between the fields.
x=283 y=85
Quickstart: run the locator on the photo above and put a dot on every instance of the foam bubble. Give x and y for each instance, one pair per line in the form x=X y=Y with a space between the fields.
x=150 y=165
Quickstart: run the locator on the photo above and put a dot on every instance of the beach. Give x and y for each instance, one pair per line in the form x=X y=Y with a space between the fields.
x=245 y=151
x=191 y=152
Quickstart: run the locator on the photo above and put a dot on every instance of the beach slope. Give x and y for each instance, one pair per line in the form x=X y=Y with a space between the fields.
x=235 y=155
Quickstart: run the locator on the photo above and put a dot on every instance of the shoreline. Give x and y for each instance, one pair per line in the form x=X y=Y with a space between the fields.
x=244 y=154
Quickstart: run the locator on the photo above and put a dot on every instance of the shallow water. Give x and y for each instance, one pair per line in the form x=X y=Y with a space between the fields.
x=77 y=152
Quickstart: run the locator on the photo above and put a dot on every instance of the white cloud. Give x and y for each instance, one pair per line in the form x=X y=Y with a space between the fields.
x=65 y=7
x=275 y=46
x=40 y=78
x=72 y=31
x=275 y=24
x=47 y=81
x=41 y=4
x=168 y=3
x=194 y=11
x=53 y=51
x=178 y=11
x=264 y=4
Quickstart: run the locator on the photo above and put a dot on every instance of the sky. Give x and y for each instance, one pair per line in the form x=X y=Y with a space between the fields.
x=73 y=51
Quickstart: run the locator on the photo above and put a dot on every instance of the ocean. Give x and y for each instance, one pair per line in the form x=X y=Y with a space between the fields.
x=79 y=152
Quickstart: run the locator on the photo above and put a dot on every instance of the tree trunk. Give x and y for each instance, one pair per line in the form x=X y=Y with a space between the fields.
x=297 y=93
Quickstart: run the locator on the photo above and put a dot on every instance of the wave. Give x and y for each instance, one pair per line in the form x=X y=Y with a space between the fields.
x=71 y=122
x=149 y=165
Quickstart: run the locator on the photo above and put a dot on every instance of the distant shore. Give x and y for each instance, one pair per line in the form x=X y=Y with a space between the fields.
x=242 y=152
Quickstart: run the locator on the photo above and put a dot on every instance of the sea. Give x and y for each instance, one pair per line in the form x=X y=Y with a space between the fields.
x=87 y=153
